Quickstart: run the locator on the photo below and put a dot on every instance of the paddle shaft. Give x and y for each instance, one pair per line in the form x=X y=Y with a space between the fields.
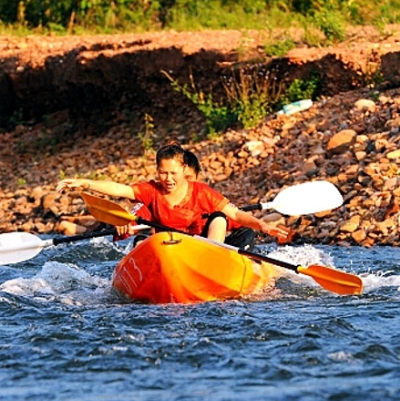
x=93 y=234
x=267 y=259
x=249 y=254
x=333 y=280
x=74 y=238
x=249 y=208
x=257 y=206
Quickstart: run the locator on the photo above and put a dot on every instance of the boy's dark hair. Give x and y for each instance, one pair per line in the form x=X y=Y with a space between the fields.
x=192 y=161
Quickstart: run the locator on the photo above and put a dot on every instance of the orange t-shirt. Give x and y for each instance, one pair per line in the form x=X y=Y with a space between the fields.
x=187 y=216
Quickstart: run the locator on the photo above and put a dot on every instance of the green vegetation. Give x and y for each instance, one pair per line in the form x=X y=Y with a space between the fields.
x=300 y=89
x=218 y=116
x=146 y=137
x=328 y=17
x=279 y=47
x=251 y=92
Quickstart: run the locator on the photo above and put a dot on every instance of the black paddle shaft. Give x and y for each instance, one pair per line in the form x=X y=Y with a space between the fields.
x=251 y=255
x=104 y=233
x=264 y=258
x=95 y=234
x=248 y=208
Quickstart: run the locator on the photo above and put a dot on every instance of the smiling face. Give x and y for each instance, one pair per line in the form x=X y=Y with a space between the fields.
x=171 y=173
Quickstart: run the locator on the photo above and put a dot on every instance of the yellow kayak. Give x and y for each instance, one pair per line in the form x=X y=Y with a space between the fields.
x=171 y=267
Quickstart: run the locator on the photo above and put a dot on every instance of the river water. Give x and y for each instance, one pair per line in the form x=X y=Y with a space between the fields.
x=64 y=335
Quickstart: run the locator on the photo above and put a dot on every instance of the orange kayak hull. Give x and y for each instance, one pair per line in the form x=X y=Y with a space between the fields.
x=177 y=268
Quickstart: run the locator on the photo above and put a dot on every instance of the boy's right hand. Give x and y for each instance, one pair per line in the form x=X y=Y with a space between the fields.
x=284 y=234
x=128 y=229
x=72 y=183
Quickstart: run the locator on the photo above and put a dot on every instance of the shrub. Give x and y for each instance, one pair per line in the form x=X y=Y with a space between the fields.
x=218 y=116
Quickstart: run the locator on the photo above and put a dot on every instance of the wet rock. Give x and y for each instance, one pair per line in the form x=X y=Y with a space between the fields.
x=341 y=142
x=359 y=236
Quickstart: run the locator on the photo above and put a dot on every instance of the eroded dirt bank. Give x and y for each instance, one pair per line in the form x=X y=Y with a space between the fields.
x=82 y=85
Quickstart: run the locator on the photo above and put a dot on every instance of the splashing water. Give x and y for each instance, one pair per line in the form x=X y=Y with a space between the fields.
x=60 y=282
x=64 y=336
x=70 y=284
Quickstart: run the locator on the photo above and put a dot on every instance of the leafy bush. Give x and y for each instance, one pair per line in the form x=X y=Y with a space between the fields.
x=331 y=24
x=251 y=93
x=218 y=117
x=300 y=89
x=280 y=47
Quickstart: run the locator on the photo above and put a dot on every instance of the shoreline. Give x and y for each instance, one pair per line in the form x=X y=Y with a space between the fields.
x=254 y=166
x=350 y=139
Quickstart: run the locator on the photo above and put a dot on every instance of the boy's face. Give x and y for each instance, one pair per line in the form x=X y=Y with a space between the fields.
x=190 y=175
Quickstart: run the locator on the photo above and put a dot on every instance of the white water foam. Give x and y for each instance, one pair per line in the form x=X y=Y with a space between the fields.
x=61 y=282
x=305 y=255
x=308 y=255
x=377 y=280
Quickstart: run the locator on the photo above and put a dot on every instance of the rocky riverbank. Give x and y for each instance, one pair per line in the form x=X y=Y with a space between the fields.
x=350 y=139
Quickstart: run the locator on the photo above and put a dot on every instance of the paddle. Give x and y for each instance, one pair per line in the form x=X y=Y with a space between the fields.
x=19 y=246
x=310 y=197
x=333 y=280
x=305 y=198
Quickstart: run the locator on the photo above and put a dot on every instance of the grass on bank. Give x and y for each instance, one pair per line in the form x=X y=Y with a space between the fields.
x=322 y=20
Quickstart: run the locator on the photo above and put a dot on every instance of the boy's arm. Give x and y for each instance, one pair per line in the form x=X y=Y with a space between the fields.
x=110 y=188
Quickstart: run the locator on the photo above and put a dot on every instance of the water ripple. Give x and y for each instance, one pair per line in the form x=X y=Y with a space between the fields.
x=65 y=335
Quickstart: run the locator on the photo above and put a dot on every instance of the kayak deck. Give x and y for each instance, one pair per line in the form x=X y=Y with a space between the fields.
x=177 y=268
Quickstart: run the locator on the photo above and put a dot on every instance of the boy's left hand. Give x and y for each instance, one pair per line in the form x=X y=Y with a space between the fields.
x=284 y=234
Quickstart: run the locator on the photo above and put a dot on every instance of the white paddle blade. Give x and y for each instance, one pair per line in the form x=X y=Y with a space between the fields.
x=306 y=198
x=19 y=246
